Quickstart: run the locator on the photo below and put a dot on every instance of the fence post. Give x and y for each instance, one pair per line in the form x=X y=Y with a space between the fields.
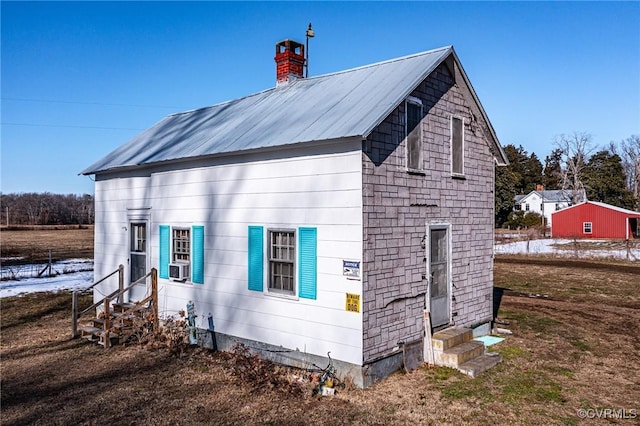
x=154 y=294
x=120 y=282
x=74 y=315
x=106 y=325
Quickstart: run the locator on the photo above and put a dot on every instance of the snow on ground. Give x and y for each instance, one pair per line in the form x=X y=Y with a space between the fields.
x=70 y=274
x=567 y=248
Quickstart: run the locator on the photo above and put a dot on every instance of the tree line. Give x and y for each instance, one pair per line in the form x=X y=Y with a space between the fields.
x=608 y=174
x=46 y=209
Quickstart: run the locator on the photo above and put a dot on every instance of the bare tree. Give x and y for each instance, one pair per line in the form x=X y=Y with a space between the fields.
x=630 y=153
x=576 y=149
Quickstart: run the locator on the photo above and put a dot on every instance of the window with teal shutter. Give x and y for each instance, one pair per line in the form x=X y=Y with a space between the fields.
x=308 y=261
x=163 y=260
x=256 y=258
x=197 y=260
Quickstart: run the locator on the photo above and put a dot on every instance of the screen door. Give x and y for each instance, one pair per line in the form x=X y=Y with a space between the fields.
x=138 y=257
x=439 y=261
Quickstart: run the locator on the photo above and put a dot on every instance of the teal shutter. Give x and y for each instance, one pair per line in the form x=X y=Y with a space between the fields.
x=308 y=262
x=256 y=258
x=165 y=235
x=197 y=255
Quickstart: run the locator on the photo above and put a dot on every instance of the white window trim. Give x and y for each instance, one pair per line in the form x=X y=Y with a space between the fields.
x=415 y=101
x=456 y=174
x=584 y=227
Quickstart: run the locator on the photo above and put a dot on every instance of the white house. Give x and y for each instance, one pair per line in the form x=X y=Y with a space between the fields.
x=546 y=202
x=321 y=215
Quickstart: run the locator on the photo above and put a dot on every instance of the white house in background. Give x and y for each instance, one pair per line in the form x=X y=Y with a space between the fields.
x=546 y=202
x=321 y=215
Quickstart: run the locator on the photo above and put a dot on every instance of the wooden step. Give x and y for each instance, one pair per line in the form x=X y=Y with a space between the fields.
x=90 y=333
x=121 y=307
x=126 y=306
x=114 y=338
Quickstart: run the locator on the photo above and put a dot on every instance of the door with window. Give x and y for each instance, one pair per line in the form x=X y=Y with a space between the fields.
x=439 y=273
x=137 y=257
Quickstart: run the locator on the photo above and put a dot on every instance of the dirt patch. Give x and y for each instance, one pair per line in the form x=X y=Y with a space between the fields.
x=576 y=349
x=603 y=281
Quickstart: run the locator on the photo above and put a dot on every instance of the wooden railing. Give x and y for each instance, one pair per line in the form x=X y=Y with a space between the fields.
x=117 y=294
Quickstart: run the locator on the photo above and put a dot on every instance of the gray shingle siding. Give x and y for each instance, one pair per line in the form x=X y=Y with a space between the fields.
x=397 y=205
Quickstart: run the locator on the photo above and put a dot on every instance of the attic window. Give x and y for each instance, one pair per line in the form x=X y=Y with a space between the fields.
x=457 y=146
x=413 y=133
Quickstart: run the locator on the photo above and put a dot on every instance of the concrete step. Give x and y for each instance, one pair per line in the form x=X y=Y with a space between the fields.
x=459 y=354
x=450 y=337
x=480 y=364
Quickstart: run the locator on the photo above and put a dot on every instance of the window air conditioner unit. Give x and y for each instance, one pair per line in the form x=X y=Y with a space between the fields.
x=179 y=271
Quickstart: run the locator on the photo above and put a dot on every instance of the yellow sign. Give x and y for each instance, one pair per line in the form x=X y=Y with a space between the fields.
x=353 y=303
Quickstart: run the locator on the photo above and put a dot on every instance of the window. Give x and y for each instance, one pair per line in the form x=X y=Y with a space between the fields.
x=457 y=146
x=184 y=246
x=138 y=237
x=558 y=206
x=587 y=227
x=414 y=133
x=282 y=251
x=526 y=207
x=181 y=247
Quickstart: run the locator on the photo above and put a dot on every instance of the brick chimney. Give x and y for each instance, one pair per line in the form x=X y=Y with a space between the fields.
x=539 y=187
x=289 y=61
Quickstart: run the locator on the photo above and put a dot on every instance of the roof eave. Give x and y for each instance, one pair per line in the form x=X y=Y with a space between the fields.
x=130 y=167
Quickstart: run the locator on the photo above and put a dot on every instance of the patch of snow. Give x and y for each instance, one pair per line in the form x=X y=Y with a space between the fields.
x=70 y=274
x=563 y=247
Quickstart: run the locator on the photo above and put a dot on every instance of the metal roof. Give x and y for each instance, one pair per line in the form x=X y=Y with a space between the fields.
x=339 y=105
x=604 y=206
x=553 y=195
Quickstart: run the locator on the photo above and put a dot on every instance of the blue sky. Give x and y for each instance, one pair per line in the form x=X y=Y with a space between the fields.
x=80 y=79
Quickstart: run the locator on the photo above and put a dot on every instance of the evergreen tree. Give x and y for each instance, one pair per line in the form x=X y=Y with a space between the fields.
x=521 y=176
x=532 y=174
x=605 y=180
x=552 y=175
x=505 y=191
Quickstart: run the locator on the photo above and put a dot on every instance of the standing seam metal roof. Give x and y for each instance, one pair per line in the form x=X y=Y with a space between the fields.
x=332 y=106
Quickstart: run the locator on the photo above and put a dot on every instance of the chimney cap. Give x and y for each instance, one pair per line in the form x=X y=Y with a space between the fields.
x=289 y=61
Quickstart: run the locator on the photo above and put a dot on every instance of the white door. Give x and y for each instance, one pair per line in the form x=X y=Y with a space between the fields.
x=439 y=273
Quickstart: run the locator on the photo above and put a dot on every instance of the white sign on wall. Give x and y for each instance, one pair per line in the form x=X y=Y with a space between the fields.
x=351 y=269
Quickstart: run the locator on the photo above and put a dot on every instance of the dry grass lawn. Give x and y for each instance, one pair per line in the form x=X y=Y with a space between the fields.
x=34 y=245
x=574 y=345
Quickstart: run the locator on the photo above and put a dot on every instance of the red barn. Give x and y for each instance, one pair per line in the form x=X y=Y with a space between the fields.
x=595 y=220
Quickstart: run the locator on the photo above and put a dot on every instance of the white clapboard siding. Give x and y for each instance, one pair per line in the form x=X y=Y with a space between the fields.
x=323 y=190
